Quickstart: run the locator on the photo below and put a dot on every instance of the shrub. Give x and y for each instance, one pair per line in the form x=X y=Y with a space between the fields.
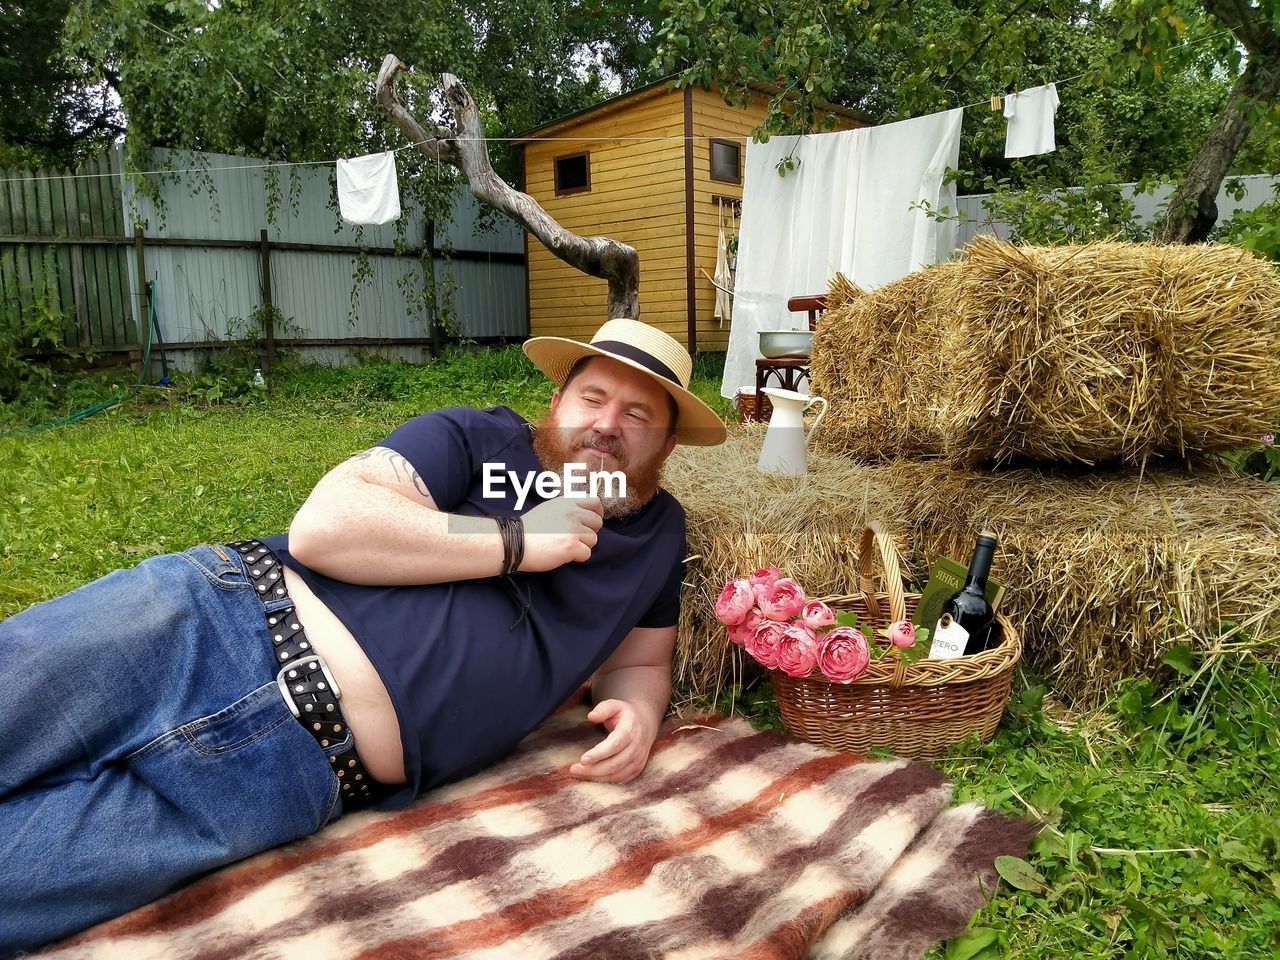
x=33 y=331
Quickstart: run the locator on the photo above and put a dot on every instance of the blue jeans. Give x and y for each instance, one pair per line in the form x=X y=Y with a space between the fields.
x=143 y=742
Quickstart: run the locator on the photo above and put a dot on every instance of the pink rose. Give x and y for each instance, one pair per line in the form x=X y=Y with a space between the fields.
x=735 y=602
x=762 y=580
x=843 y=654
x=763 y=643
x=817 y=615
x=739 y=633
x=902 y=634
x=782 y=601
x=797 y=650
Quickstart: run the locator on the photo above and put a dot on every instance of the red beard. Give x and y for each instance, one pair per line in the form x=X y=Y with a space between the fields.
x=555 y=446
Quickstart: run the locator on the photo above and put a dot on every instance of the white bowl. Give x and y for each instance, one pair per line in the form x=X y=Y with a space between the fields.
x=786 y=344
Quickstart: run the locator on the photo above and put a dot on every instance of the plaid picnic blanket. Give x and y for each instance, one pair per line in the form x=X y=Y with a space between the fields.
x=733 y=844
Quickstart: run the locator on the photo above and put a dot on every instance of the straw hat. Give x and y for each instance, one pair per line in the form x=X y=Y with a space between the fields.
x=642 y=348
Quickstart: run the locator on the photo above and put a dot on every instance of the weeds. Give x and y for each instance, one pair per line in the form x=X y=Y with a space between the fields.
x=35 y=333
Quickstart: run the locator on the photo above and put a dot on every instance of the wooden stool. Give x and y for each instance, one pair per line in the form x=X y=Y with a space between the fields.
x=787 y=373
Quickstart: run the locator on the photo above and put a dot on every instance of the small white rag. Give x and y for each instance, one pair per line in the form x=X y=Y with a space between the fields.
x=1030 y=115
x=368 y=191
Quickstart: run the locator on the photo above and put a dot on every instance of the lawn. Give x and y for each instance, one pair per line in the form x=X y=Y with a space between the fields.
x=1163 y=837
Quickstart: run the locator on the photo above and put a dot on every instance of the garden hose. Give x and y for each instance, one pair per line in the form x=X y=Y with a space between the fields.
x=117 y=395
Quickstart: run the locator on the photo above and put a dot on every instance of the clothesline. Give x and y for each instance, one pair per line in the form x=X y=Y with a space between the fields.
x=410 y=146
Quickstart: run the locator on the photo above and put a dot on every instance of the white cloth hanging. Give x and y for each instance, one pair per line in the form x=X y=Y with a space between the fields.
x=1030 y=115
x=847 y=208
x=368 y=190
x=723 y=275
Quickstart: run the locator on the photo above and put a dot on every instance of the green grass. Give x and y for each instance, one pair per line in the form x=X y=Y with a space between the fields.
x=1194 y=769
x=1162 y=836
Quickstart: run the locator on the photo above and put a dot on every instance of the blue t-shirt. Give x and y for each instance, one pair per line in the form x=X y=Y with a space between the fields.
x=468 y=674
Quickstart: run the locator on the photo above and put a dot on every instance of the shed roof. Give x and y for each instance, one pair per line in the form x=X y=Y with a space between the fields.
x=648 y=91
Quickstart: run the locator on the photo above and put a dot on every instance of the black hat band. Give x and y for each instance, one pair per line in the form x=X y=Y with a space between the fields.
x=646 y=360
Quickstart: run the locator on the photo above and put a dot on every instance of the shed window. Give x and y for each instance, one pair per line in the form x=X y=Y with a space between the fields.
x=726 y=161
x=573 y=173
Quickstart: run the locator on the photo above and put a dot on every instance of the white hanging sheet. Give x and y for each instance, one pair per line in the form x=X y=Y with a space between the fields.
x=845 y=208
x=368 y=191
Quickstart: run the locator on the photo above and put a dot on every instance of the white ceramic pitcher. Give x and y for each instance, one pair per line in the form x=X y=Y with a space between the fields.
x=785 y=441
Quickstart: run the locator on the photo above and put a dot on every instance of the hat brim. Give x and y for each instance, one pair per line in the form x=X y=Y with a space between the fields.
x=696 y=424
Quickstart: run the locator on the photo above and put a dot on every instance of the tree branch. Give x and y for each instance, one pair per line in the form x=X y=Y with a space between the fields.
x=1254 y=34
x=977 y=47
x=1193 y=209
x=465 y=147
x=435 y=143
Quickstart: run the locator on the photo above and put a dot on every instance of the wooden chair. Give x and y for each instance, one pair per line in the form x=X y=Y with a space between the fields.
x=815 y=304
x=786 y=373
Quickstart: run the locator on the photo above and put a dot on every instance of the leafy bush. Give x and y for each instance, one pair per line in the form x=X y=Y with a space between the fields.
x=30 y=320
x=1257 y=229
x=1261 y=461
x=1045 y=212
x=1042 y=214
x=1040 y=209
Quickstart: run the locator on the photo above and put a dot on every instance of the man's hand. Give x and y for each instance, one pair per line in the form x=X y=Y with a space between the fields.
x=622 y=755
x=561 y=531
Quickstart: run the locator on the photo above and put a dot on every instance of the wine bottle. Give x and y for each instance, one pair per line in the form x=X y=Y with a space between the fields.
x=968 y=622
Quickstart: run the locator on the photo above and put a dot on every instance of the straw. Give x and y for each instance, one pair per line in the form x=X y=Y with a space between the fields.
x=1103 y=570
x=1087 y=353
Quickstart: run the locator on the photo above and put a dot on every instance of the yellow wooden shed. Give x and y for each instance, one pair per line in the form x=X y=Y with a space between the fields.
x=653 y=168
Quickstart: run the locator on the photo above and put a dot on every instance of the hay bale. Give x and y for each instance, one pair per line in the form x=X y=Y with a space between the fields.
x=1094 y=353
x=1104 y=570
x=877 y=359
x=842 y=291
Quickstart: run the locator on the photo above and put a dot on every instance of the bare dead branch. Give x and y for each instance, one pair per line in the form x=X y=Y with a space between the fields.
x=465 y=147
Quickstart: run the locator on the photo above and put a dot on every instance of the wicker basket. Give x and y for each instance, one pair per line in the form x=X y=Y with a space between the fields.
x=916 y=710
x=752 y=406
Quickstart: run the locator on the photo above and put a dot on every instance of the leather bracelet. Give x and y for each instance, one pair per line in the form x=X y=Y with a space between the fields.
x=517 y=530
x=506 y=545
x=512 y=531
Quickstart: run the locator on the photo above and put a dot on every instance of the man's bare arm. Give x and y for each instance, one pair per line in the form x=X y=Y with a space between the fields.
x=372 y=520
x=631 y=691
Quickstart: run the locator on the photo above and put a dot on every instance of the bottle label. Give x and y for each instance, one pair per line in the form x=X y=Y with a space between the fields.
x=949 y=639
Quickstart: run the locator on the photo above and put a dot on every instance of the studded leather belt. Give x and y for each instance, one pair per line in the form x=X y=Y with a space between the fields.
x=304 y=678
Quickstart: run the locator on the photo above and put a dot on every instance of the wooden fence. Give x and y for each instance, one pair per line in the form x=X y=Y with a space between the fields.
x=62 y=248
x=85 y=244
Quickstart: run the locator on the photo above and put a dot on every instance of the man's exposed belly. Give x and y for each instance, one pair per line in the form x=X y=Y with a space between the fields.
x=365 y=701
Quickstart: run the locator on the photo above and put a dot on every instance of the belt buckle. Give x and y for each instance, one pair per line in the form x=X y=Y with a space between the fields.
x=283 y=683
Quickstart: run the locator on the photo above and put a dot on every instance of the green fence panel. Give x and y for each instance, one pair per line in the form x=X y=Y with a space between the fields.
x=41 y=214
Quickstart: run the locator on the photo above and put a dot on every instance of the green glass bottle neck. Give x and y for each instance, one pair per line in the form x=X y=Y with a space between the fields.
x=980 y=565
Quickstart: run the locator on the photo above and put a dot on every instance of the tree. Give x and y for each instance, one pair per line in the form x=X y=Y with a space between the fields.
x=1193 y=210
x=54 y=107
x=463 y=145
x=293 y=79
x=896 y=59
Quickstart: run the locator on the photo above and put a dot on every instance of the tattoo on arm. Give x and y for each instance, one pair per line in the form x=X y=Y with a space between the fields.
x=402 y=468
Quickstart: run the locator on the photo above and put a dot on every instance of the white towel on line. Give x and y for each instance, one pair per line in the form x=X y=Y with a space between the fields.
x=368 y=191
x=1030 y=115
